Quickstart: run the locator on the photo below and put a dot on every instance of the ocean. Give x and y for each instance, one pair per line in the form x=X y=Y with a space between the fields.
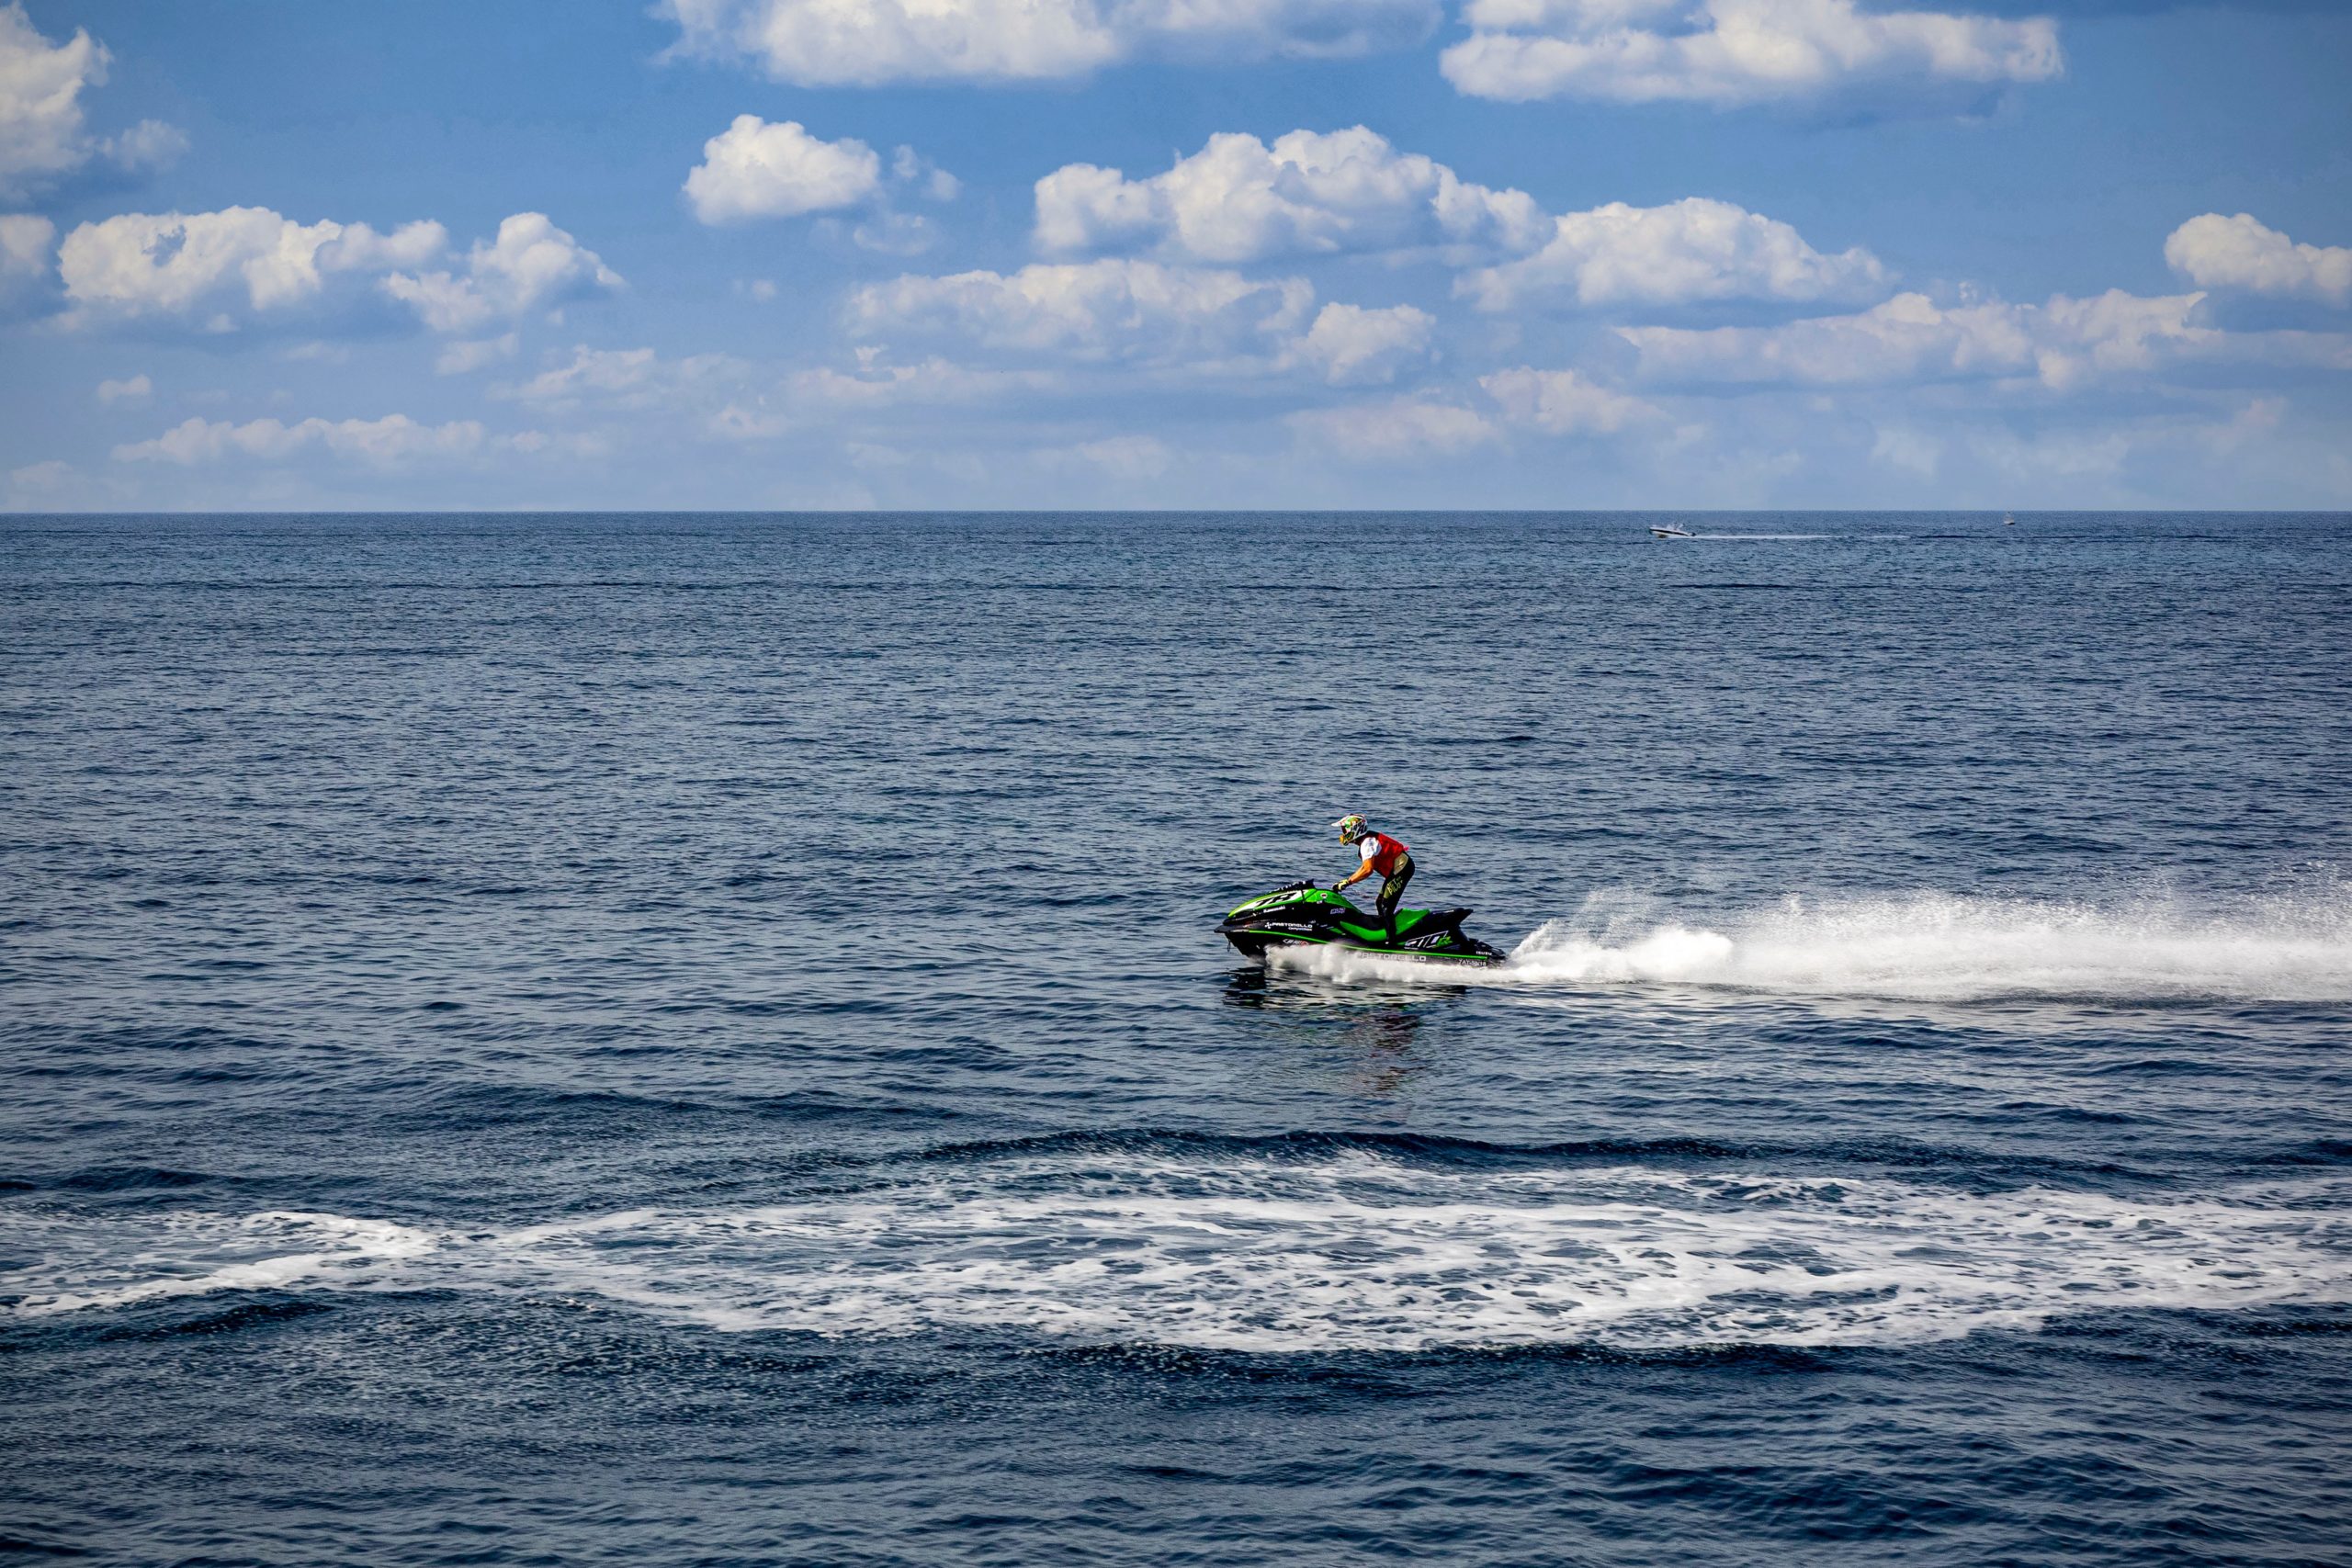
x=703 y=1040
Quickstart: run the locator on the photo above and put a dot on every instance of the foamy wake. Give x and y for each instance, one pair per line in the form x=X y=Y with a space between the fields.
x=1356 y=1251
x=1928 y=947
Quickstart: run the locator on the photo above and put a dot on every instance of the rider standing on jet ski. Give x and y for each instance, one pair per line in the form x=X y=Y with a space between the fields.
x=1380 y=853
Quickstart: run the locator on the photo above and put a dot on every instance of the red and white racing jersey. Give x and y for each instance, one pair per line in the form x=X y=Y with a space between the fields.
x=1383 y=853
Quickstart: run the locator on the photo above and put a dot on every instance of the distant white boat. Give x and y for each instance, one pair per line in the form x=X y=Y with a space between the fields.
x=1668 y=530
x=2008 y=519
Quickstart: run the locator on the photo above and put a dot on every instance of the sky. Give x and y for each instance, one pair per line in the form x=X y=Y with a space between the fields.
x=1175 y=253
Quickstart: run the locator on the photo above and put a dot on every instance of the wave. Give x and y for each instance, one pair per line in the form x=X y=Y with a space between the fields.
x=1353 y=1250
x=1930 y=947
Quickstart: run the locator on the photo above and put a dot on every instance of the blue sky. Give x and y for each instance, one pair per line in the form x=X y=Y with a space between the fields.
x=822 y=253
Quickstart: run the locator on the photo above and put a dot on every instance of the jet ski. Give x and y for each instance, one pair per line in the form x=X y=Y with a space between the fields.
x=1304 y=915
x=1670 y=531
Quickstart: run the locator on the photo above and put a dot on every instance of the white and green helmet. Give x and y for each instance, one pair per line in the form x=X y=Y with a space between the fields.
x=1352 y=828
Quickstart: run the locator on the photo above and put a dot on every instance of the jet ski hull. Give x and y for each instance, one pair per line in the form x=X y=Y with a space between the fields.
x=1304 y=916
x=1258 y=944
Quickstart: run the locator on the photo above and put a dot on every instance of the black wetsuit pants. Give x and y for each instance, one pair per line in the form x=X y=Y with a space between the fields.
x=1393 y=889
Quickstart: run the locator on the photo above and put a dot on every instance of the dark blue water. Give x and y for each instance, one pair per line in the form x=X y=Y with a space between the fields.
x=702 y=1040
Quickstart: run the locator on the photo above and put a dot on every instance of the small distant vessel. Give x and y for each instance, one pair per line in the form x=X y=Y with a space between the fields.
x=1668 y=530
x=2008 y=519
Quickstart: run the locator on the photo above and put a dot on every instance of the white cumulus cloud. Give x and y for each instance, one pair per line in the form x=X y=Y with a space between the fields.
x=150 y=144
x=249 y=262
x=1238 y=199
x=1351 y=346
x=1127 y=457
x=753 y=169
x=1907 y=338
x=931 y=380
x=388 y=442
x=1400 y=430
x=620 y=377
x=1562 y=402
x=755 y=422
x=2063 y=344
x=464 y=357
x=25 y=244
x=864 y=42
x=910 y=167
x=136 y=390
x=1732 y=52
x=1137 y=313
x=37 y=482
x=41 y=106
x=2215 y=252
x=531 y=263
x=41 y=132
x=895 y=233
x=174 y=264
x=1695 y=249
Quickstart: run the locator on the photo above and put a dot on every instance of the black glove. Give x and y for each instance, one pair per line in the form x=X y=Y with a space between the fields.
x=1339 y=887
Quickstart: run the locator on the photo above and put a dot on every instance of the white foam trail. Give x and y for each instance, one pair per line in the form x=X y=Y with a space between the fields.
x=1354 y=1251
x=1928 y=947
x=200 y=1254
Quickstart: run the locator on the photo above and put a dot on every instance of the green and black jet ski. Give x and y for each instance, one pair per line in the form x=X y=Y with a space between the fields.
x=1304 y=915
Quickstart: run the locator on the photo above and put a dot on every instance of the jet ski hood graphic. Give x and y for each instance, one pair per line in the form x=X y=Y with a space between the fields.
x=1304 y=915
